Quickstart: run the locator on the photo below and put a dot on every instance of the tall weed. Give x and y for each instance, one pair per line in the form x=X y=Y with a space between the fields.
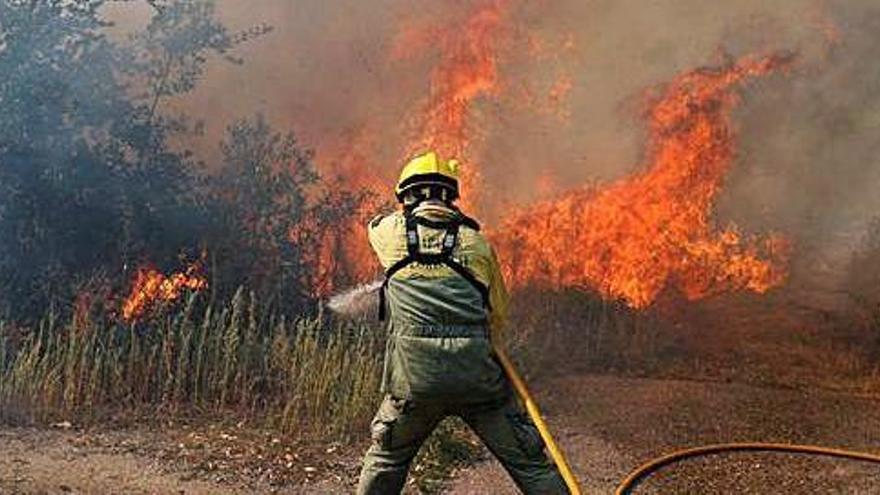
x=306 y=375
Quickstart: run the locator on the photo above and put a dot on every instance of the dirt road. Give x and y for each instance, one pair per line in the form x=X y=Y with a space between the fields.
x=47 y=462
x=607 y=425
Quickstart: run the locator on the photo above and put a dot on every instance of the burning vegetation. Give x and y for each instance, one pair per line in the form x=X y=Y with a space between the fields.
x=632 y=239
x=627 y=240
x=151 y=288
x=279 y=219
x=271 y=203
x=103 y=164
x=466 y=72
x=276 y=217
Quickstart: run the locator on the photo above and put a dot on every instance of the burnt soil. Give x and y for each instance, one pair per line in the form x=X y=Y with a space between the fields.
x=606 y=424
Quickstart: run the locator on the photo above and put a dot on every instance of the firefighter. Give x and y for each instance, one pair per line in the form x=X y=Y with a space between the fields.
x=444 y=299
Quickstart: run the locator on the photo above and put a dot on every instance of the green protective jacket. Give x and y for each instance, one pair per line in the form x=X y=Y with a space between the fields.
x=439 y=344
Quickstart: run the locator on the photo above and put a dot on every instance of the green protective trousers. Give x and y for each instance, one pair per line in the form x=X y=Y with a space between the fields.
x=402 y=425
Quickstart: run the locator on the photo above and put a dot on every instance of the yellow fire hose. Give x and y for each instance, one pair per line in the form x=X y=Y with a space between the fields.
x=642 y=472
x=532 y=408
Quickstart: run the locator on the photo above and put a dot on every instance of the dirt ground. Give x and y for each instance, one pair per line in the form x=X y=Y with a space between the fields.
x=606 y=424
x=610 y=425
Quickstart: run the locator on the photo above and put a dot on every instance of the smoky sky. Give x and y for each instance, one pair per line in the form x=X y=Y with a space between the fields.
x=806 y=162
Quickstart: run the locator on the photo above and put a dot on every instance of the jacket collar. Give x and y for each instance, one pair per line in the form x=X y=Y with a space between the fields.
x=435 y=210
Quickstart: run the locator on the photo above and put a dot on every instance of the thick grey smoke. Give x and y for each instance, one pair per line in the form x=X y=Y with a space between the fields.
x=807 y=163
x=809 y=156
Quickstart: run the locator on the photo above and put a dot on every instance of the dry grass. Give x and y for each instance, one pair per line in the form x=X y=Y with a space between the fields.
x=561 y=332
x=307 y=378
x=304 y=376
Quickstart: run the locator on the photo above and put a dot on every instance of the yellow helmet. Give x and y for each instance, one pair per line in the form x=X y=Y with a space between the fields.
x=428 y=170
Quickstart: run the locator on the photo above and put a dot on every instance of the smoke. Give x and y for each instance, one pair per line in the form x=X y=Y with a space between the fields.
x=809 y=148
x=806 y=164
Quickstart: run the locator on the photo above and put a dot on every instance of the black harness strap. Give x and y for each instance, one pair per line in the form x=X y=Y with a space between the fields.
x=412 y=248
x=444 y=257
x=466 y=274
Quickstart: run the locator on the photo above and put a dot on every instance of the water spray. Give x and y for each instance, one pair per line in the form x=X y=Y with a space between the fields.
x=356 y=302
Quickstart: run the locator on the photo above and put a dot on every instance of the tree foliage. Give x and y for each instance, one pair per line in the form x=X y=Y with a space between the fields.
x=260 y=196
x=89 y=183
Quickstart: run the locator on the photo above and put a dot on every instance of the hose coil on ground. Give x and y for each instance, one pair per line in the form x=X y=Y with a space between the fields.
x=645 y=470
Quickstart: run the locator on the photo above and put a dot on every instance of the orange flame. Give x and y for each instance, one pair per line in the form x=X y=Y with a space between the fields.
x=151 y=287
x=630 y=240
x=466 y=72
x=652 y=230
x=339 y=255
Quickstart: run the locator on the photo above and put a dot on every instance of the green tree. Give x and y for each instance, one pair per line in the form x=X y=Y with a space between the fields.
x=88 y=181
x=260 y=195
